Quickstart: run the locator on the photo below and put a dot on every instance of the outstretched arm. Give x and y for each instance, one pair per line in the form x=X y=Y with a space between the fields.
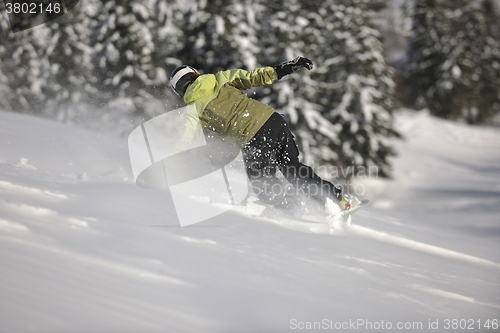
x=264 y=76
x=244 y=80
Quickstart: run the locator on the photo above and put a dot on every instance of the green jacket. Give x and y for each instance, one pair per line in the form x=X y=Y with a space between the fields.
x=224 y=109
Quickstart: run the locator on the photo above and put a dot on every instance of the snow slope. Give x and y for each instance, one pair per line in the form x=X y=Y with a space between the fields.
x=82 y=249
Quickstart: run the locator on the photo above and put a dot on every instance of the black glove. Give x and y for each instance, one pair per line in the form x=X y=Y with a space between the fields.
x=288 y=67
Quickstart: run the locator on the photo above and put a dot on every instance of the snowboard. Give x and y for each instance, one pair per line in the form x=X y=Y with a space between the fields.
x=334 y=213
x=353 y=210
x=347 y=214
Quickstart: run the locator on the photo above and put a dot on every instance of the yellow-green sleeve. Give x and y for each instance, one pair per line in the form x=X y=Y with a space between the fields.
x=244 y=80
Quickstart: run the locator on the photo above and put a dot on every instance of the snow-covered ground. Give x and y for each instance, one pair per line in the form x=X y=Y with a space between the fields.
x=83 y=249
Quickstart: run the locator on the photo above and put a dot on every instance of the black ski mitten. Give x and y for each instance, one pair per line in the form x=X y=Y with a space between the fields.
x=288 y=67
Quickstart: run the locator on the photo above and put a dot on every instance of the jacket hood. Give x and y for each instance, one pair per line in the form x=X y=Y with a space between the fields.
x=204 y=86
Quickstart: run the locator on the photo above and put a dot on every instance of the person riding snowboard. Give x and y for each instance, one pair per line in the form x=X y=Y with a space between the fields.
x=260 y=132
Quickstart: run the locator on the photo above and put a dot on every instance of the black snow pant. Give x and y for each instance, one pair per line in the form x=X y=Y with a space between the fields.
x=273 y=147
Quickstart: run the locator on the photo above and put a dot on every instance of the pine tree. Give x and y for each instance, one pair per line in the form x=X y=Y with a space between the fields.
x=5 y=91
x=220 y=35
x=45 y=66
x=340 y=111
x=284 y=37
x=69 y=54
x=362 y=106
x=22 y=68
x=454 y=59
x=123 y=46
x=166 y=30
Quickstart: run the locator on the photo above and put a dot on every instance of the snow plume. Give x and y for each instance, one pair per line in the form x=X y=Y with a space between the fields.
x=171 y=152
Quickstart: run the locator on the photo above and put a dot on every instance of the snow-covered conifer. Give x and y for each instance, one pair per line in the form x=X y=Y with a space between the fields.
x=67 y=50
x=123 y=46
x=340 y=111
x=23 y=69
x=5 y=91
x=166 y=31
x=453 y=63
x=219 y=35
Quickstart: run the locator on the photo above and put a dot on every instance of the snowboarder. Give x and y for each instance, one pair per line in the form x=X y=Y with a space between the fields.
x=260 y=132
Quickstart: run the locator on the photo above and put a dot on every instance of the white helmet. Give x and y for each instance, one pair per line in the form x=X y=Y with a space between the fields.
x=181 y=78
